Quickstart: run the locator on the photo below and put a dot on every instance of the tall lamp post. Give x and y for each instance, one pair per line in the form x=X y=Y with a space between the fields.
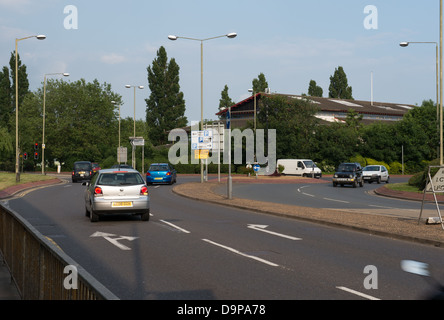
x=438 y=113
x=140 y=87
x=133 y=153
x=17 y=150
x=406 y=44
x=173 y=38
x=118 y=155
x=44 y=115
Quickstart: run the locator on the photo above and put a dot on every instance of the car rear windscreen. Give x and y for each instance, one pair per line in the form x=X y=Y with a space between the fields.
x=120 y=179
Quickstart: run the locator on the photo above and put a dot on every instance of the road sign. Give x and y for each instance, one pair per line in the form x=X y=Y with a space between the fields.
x=217 y=129
x=202 y=140
x=122 y=154
x=201 y=154
x=137 y=141
x=256 y=168
x=437 y=181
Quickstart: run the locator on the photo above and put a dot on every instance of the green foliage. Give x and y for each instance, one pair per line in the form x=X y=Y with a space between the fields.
x=165 y=108
x=81 y=122
x=294 y=122
x=314 y=90
x=225 y=100
x=339 y=87
x=260 y=83
x=419 y=180
x=360 y=159
x=395 y=168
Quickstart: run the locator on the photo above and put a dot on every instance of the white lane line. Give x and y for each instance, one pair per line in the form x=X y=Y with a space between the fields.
x=381 y=207
x=366 y=296
x=259 y=227
x=174 y=226
x=304 y=193
x=307 y=194
x=242 y=254
x=336 y=200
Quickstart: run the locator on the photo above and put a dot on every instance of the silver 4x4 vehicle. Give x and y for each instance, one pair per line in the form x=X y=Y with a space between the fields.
x=348 y=173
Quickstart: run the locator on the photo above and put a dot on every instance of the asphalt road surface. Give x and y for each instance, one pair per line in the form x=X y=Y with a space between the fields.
x=193 y=250
x=324 y=195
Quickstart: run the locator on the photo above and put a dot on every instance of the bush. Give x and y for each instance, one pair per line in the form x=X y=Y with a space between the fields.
x=395 y=168
x=419 y=179
x=360 y=159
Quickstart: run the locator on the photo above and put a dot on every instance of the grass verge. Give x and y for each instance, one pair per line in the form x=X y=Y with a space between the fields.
x=402 y=187
x=8 y=179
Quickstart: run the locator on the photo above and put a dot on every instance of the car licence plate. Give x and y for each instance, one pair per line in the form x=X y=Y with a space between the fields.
x=122 y=204
x=158 y=178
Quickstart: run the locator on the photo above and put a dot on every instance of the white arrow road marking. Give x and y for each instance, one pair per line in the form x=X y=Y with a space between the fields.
x=114 y=241
x=242 y=254
x=259 y=227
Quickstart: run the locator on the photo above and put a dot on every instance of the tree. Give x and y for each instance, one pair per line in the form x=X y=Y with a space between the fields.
x=314 y=90
x=225 y=100
x=339 y=85
x=6 y=108
x=295 y=124
x=23 y=83
x=165 y=108
x=81 y=122
x=260 y=84
x=353 y=119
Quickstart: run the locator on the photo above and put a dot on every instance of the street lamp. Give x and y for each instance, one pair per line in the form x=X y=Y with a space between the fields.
x=65 y=74
x=17 y=151
x=140 y=87
x=118 y=155
x=134 y=136
x=438 y=112
x=254 y=94
x=174 y=38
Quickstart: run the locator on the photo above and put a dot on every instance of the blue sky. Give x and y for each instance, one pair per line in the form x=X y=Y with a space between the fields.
x=290 y=41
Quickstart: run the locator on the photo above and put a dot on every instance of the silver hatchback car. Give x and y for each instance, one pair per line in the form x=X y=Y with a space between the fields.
x=114 y=191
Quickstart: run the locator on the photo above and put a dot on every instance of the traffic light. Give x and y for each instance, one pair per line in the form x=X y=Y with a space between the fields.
x=25 y=156
x=36 y=146
x=36 y=155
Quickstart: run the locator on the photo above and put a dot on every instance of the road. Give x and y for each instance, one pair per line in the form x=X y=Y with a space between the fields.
x=324 y=195
x=191 y=250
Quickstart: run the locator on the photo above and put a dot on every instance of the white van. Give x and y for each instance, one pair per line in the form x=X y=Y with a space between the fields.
x=300 y=167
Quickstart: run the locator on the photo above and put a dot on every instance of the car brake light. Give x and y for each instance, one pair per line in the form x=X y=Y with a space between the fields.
x=144 y=191
x=168 y=173
x=148 y=174
x=98 y=191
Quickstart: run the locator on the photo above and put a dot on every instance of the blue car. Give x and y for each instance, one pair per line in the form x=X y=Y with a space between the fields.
x=161 y=173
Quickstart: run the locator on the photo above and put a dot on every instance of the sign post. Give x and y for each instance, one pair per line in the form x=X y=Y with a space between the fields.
x=434 y=185
x=138 y=142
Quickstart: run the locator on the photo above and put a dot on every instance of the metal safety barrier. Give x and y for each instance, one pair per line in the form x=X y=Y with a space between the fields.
x=38 y=266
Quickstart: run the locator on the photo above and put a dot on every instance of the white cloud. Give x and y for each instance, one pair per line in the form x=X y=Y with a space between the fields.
x=112 y=58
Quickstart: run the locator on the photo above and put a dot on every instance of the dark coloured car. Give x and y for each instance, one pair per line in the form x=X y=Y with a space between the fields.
x=82 y=171
x=348 y=174
x=161 y=173
x=96 y=167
